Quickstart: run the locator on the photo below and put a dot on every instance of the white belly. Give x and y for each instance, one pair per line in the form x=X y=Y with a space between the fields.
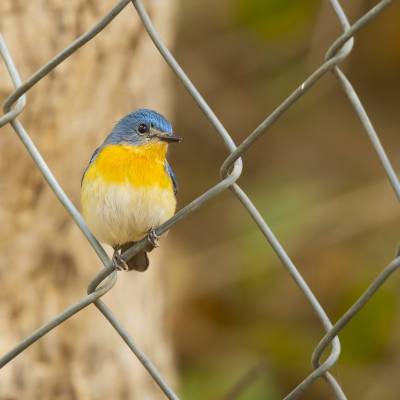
x=117 y=213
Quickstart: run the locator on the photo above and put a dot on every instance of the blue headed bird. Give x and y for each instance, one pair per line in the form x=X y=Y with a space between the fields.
x=128 y=189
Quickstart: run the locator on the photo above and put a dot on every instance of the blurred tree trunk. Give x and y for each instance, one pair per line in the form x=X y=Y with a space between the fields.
x=45 y=263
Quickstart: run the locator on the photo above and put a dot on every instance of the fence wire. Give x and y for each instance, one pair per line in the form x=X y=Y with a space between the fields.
x=230 y=170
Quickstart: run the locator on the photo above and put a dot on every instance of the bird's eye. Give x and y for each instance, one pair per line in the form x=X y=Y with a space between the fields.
x=143 y=128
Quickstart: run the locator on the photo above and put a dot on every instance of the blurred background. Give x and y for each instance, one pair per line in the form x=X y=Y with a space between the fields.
x=231 y=309
x=316 y=181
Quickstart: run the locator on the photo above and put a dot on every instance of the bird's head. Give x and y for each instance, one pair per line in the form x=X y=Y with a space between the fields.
x=141 y=127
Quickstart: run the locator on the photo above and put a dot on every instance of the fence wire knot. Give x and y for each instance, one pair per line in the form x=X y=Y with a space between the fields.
x=231 y=170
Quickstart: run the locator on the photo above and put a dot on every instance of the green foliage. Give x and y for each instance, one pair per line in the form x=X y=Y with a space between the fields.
x=274 y=18
x=282 y=345
x=216 y=376
x=366 y=338
x=287 y=206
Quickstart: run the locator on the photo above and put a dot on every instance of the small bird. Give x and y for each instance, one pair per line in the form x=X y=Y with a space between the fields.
x=128 y=188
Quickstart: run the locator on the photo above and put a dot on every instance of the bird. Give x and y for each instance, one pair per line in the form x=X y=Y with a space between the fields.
x=128 y=188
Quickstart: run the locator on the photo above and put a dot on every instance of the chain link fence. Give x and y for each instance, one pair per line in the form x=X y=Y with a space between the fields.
x=230 y=173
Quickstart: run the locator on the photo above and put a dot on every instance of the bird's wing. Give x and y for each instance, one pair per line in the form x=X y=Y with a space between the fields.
x=94 y=155
x=172 y=176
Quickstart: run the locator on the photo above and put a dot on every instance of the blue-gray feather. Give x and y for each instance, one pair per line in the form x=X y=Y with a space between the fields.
x=94 y=155
x=172 y=175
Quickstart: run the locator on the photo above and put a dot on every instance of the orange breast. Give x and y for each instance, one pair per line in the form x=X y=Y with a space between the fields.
x=139 y=166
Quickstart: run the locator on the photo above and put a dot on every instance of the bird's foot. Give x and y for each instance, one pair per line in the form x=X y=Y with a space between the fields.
x=153 y=238
x=118 y=262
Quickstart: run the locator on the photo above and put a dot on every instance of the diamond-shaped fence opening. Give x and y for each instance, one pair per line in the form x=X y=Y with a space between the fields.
x=230 y=173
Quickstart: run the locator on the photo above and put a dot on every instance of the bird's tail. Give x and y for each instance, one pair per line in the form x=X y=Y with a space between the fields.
x=139 y=262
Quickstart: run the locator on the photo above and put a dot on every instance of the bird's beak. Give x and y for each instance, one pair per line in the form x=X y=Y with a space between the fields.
x=167 y=137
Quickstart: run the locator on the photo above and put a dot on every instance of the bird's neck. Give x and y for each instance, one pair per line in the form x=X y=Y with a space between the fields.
x=153 y=151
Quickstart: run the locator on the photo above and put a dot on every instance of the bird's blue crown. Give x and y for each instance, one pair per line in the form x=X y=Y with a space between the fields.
x=126 y=129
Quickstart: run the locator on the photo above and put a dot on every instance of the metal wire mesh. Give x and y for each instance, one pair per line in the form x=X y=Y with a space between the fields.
x=230 y=173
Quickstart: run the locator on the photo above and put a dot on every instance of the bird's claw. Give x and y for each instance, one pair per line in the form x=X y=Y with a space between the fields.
x=118 y=262
x=153 y=238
